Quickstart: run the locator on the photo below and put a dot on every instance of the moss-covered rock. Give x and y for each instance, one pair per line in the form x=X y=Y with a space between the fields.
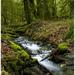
x=16 y=59
x=63 y=47
x=15 y=46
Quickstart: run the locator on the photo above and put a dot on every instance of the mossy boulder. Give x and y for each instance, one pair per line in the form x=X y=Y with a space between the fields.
x=18 y=49
x=63 y=47
x=16 y=59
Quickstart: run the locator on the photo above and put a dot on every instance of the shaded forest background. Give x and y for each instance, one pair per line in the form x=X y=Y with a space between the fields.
x=18 y=11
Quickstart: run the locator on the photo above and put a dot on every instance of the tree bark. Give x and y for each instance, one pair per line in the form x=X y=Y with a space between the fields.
x=27 y=11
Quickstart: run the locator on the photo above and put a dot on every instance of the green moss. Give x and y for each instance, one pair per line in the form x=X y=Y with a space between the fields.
x=63 y=47
x=23 y=54
x=15 y=46
x=19 y=49
x=5 y=36
x=15 y=60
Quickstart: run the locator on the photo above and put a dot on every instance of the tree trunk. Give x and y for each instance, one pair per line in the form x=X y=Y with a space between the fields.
x=27 y=11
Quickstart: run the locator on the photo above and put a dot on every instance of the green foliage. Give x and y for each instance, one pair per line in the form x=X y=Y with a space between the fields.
x=5 y=36
x=33 y=10
x=10 y=14
x=70 y=33
x=62 y=47
x=4 y=72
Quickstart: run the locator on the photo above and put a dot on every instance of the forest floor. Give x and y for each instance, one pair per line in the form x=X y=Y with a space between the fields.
x=53 y=32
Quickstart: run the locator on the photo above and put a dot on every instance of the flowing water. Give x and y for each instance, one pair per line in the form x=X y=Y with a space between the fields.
x=40 y=53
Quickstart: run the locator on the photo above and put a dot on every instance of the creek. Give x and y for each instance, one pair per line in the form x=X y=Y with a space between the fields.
x=40 y=53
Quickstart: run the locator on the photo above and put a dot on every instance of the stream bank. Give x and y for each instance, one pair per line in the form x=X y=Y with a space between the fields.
x=37 y=35
x=35 y=69
x=66 y=65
